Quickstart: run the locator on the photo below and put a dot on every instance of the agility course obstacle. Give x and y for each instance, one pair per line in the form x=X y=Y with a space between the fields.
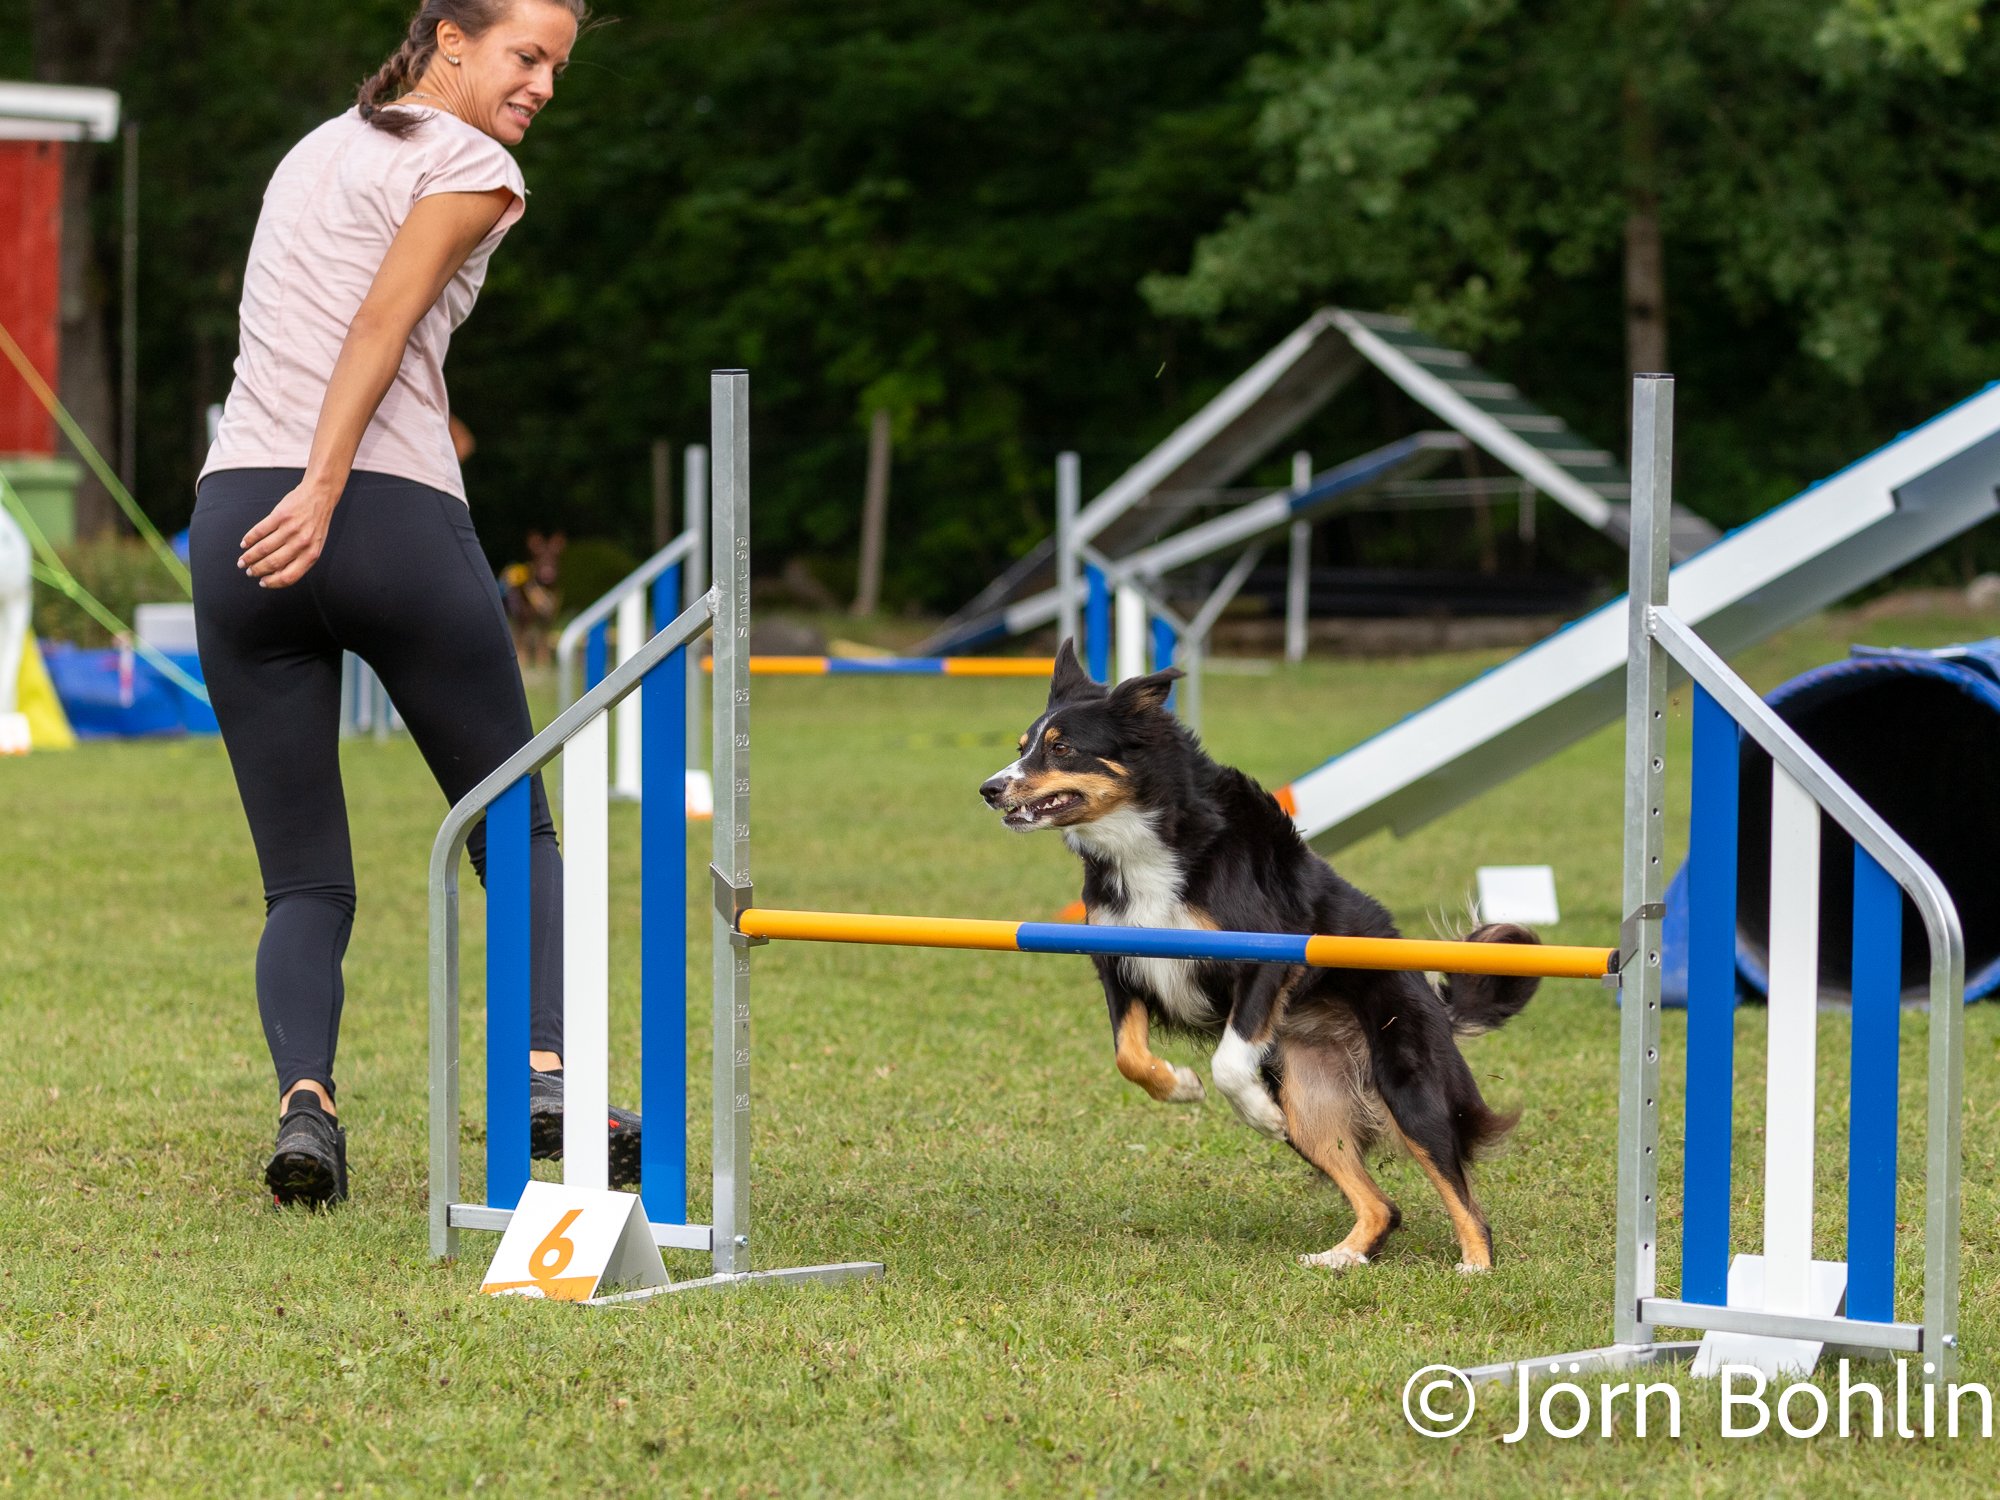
x=1896 y=504
x=1540 y=960
x=657 y=672
x=1776 y=1309
x=1260 y=408
x=1906 y=728
x=1318 y=497
x=898 y=666
x=669 y=581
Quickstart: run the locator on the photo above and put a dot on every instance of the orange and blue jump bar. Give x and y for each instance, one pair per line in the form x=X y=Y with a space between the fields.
x=897 y=666
x=1539 y=960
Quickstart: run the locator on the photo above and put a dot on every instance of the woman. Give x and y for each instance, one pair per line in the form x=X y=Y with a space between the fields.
x=331 y=516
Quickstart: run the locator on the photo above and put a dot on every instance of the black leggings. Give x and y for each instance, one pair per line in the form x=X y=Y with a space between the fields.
x=403 y=584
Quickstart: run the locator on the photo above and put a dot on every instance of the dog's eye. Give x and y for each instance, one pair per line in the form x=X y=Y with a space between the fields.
x=1023 y=745
x=1061 y=748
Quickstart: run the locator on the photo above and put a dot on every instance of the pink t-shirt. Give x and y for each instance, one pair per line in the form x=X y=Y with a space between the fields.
x=333 y=206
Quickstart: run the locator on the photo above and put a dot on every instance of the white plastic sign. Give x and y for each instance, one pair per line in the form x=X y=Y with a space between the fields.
x=700 y=795
x=1518 y=893
x=570 y=1244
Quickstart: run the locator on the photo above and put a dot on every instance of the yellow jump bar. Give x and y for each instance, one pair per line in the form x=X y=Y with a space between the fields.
x=1415 y=954
x=896 y=666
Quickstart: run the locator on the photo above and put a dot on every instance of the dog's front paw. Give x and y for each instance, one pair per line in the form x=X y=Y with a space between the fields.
x=1467 y=1268
x=1339 y=1258
x=1187 y=1087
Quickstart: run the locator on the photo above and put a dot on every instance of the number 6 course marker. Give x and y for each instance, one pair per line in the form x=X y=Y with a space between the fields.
x=572 y=1244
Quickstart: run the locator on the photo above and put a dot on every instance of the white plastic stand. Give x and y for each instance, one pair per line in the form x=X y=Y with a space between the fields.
x=571 y=1244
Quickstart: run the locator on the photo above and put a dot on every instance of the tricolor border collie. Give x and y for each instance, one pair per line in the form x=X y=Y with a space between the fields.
x=1330 y=1061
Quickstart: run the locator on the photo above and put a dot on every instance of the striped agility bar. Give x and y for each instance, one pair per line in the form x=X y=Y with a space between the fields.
x=898 y=666
x=1416 y=954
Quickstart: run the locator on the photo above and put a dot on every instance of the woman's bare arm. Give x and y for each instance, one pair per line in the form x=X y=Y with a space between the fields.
x=441 y=231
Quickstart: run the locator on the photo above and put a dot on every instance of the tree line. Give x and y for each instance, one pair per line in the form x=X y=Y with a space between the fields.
x=1063 y=223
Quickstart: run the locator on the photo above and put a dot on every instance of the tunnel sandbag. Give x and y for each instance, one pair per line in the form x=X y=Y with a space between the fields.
x=1917 y=735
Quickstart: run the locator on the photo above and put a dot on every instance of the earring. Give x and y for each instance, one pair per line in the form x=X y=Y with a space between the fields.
x=450 y=59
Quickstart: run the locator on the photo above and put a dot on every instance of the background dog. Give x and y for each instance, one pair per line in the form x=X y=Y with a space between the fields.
x=532 y=594
x=1328 y=1060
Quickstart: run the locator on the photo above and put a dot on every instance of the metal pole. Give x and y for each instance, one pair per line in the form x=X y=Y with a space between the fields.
x=632 y=634
x=1129 y=632
x=729 y=392
x=1069 y=497
x=694 y=583
x=1194 y=651
x=1645 y=849
x=663 y=494
x=1298 y=582
x=349 y=719
x=128 y=311
x=874 y=517
x=444 y=1099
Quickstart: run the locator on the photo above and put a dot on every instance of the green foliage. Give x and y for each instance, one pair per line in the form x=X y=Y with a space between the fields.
x=1915 y=33
x=121 y=573
x=1823 y=170
x=16 y=56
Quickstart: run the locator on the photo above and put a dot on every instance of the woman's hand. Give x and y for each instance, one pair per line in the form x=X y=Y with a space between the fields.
x=280 y=549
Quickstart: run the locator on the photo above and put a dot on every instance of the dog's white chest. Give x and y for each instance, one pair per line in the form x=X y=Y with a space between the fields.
x=1150 y=877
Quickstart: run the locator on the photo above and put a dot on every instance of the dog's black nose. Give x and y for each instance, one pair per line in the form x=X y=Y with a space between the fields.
x=994 y=790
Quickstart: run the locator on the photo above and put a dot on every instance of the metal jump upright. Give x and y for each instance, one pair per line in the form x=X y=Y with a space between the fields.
x=1776 y=1310
x=658 y=671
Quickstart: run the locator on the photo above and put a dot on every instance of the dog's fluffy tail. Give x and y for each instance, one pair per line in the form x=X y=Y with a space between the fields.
x=1485 y=1002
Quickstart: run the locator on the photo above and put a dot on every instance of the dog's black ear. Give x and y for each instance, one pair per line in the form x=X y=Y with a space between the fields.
x=1070 y=679
x=1137 y=694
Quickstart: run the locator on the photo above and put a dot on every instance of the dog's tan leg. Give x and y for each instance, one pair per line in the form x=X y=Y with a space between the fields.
x=1163 y=1080
x=1320 y=1120
x=1475 y=1239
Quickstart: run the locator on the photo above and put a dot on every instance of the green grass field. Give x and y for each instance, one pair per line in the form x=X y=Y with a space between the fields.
x=1088 y=1293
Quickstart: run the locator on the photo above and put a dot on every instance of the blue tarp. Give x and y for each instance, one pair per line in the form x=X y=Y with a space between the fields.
x=112 y=694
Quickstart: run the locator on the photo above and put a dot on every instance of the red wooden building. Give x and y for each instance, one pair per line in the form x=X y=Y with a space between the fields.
x=37 y=124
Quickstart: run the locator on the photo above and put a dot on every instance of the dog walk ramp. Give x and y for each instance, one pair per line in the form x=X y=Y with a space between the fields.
x=1906 y=498
x=1257 y=411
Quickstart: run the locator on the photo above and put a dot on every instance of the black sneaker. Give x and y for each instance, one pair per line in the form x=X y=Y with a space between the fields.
x=309 y=1165
x=545 y=1128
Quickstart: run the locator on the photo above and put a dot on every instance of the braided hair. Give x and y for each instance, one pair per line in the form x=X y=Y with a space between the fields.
x=409 y=62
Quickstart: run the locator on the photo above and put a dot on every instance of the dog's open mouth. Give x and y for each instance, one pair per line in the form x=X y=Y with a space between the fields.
x=1042 y=809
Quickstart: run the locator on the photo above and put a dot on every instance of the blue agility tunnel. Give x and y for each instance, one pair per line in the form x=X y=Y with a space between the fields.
x=1917 y=734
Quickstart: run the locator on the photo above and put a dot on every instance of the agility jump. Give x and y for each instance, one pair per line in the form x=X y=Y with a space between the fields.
x=1532 y=960
x=1777 y=1309
x=897 y=666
